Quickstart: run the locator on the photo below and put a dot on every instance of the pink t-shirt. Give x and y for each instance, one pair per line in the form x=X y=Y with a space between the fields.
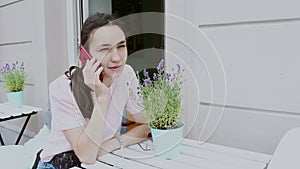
x=67 y=115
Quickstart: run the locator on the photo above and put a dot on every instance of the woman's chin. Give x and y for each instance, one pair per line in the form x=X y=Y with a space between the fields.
x=116 y=72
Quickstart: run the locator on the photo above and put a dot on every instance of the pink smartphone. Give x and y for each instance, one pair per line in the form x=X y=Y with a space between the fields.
x=84 y=56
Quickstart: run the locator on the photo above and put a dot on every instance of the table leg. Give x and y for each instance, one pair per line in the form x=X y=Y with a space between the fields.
x=1 y=140
x=22 y=131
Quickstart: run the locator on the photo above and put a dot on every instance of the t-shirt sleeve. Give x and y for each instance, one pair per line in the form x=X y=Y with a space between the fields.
x=134 y=104
x=65 y=111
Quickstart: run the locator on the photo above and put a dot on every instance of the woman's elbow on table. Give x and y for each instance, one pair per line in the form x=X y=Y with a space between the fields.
x=87 y=159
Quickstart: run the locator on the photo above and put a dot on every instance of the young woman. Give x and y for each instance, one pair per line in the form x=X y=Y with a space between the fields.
x=87 y=103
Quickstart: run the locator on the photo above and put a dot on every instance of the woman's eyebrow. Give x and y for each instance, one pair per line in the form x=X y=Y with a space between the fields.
x=106 y=44
x=121 y=42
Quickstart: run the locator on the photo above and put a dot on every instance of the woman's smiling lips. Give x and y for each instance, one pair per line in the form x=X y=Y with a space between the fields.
x=115 y=68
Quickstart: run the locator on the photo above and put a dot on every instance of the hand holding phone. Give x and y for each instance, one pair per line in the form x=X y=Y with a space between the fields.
x=85 y=56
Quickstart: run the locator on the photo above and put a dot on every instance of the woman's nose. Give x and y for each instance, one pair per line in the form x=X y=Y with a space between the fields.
x=115 y=55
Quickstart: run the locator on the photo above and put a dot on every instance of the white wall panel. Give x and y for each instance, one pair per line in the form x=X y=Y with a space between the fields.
x=257 y=48
x=261 y=64
x=22 y=38
x=8 y=2
x=16 y=22
x=230 y=11
x=56 y=39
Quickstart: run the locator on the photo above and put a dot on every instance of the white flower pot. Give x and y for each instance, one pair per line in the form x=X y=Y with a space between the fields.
x=16 y=99
x=167 y=143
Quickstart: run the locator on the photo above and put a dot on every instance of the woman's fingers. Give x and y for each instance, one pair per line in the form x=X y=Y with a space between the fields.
x=95 y=66
x=88 y=65
x=91 y=73
x=90 y=62
x=97 y=74
x=101 y=90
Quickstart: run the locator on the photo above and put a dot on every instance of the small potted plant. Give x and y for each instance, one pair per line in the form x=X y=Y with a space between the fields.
x=162 y=100
x=14 y=79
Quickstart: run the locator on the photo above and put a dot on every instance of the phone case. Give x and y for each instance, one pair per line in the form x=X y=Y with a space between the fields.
x=84 y=56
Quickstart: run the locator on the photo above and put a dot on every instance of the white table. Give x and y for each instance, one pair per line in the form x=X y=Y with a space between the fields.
x=194 y=155
x=8 y=112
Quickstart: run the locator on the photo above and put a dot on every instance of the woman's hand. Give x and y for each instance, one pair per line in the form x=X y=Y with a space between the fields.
x=91 y=73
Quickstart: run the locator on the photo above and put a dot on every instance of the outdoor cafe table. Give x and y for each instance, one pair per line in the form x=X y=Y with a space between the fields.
x=8 y=112
x=194 y=155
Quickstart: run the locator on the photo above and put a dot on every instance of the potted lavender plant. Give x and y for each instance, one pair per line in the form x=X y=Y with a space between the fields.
x=14 y=79
x=162 y=101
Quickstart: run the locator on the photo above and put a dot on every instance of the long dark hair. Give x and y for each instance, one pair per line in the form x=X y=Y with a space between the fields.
x=81 y=92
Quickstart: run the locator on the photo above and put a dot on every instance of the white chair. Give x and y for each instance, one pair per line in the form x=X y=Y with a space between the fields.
x=23 y=156
x=287 y=153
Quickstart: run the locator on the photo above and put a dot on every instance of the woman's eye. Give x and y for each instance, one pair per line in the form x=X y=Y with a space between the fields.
x=104 y=49
x=122 y=46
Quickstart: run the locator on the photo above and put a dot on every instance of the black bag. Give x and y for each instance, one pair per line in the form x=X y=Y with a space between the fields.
x=63 y=160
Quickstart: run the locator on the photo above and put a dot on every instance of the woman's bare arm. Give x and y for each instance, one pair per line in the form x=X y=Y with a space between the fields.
x=86 y=140
x=135 y=135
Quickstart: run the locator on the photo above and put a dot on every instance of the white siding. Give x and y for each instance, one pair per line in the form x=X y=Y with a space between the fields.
x=34 y=31
x=231 y=11
x=261 y=64
x=256 y=49
x=16 y=27
x=22 y=39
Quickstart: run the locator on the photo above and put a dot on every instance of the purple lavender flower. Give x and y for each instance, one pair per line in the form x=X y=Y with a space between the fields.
x=154 y=76
x=146 y=74
x=162 y=87
x=3 y=70
x=168 y=76
x=178 y=68
x=148 y=81
x=160 y=67
x=13 y=76
x=7 y=66
x=13 y=66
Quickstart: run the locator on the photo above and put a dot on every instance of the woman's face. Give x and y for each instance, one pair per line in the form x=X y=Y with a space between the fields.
x=108 y=45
